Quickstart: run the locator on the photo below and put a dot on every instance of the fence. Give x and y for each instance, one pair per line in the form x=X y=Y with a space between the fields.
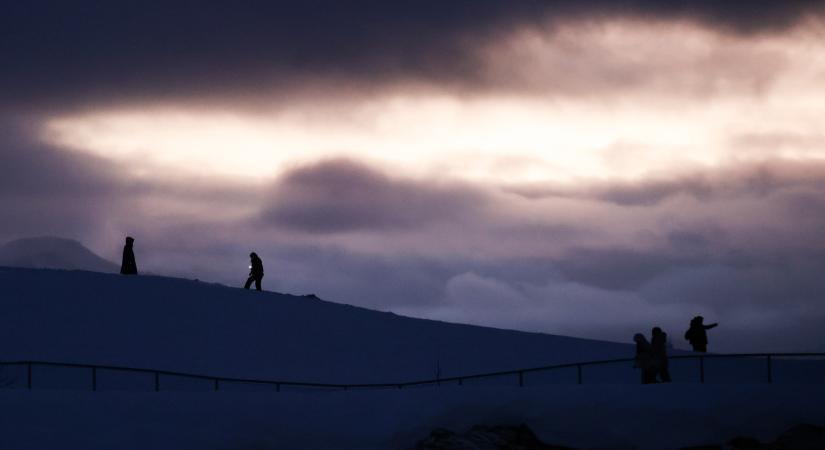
x=215 y=382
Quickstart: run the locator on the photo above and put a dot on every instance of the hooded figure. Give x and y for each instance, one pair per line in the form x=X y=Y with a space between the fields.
x=696 y=334
x=128 y=266
x=658 y=350
x=256 y=271
x=644 y=359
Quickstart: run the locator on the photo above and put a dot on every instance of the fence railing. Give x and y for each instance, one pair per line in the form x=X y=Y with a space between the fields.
x=518 y=374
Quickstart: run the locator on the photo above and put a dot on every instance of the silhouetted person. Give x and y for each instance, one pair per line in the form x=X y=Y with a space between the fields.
x=696 y=334
x=128 y=266
x=658 y=350
x=256 y=271
x=644 y=359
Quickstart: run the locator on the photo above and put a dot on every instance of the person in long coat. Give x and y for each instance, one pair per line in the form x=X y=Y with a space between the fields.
x=128 y=266
x=658 y=351
x=644 y=359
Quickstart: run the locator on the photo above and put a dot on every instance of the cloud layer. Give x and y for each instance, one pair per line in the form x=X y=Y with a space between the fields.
x=175 y=49
x=342 y=195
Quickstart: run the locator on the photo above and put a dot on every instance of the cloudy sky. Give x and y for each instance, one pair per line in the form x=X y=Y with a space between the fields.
x=590 y=168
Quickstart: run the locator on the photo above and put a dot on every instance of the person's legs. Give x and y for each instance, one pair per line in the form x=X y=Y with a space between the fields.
x=248 y=282
x=258 y=282
x=649 y=375
x=664 y=373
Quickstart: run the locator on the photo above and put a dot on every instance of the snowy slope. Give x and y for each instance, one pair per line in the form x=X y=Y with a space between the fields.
x=53 y=253
x=175 y=324
x=190 y=326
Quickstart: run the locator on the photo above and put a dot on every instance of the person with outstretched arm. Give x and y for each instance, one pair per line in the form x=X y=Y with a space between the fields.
x=256 y=271
x=697 y=335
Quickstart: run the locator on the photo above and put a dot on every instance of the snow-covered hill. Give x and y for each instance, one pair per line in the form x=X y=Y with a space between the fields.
x=191 y=326
x=52 y=253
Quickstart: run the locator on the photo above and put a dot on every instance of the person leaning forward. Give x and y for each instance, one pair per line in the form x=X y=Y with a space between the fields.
x=256 y=271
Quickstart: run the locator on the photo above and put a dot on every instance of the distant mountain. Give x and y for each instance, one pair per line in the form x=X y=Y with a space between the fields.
x=53 y=253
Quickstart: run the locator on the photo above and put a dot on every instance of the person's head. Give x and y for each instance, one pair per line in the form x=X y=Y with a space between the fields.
x=656 y=331
x=253 y=255
x=129 y=240
x=638 y=337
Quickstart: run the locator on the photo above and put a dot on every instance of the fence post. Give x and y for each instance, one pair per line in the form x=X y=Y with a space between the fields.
x=94 y=379
x=702 y=369
x=157 y=382
x=770 y=370
x=277 y=387
x=29 y=375
x=216 y=384
x=579 y=373
x=521 y=379
x=461 y=381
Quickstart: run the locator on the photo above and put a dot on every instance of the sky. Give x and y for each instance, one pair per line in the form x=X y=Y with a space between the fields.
x=590 y=168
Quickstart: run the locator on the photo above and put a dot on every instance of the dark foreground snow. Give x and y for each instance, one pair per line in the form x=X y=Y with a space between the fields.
x=656 y=417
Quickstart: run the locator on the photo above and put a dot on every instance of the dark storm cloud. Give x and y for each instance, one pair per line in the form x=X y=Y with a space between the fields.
x=44 y=190
x=32 y=167
x=394 y=281
x=613 y=268
x=772 y=283
x=747 y=179
x=107 y=51
x=342 y=195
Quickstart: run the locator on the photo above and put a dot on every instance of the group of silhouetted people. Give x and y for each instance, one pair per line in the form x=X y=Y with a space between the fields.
x=651 y=356
x=129 y=267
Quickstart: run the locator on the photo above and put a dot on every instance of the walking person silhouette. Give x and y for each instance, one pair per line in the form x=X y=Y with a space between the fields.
x=256 y=271
x=697 y=335
x=128 y=266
